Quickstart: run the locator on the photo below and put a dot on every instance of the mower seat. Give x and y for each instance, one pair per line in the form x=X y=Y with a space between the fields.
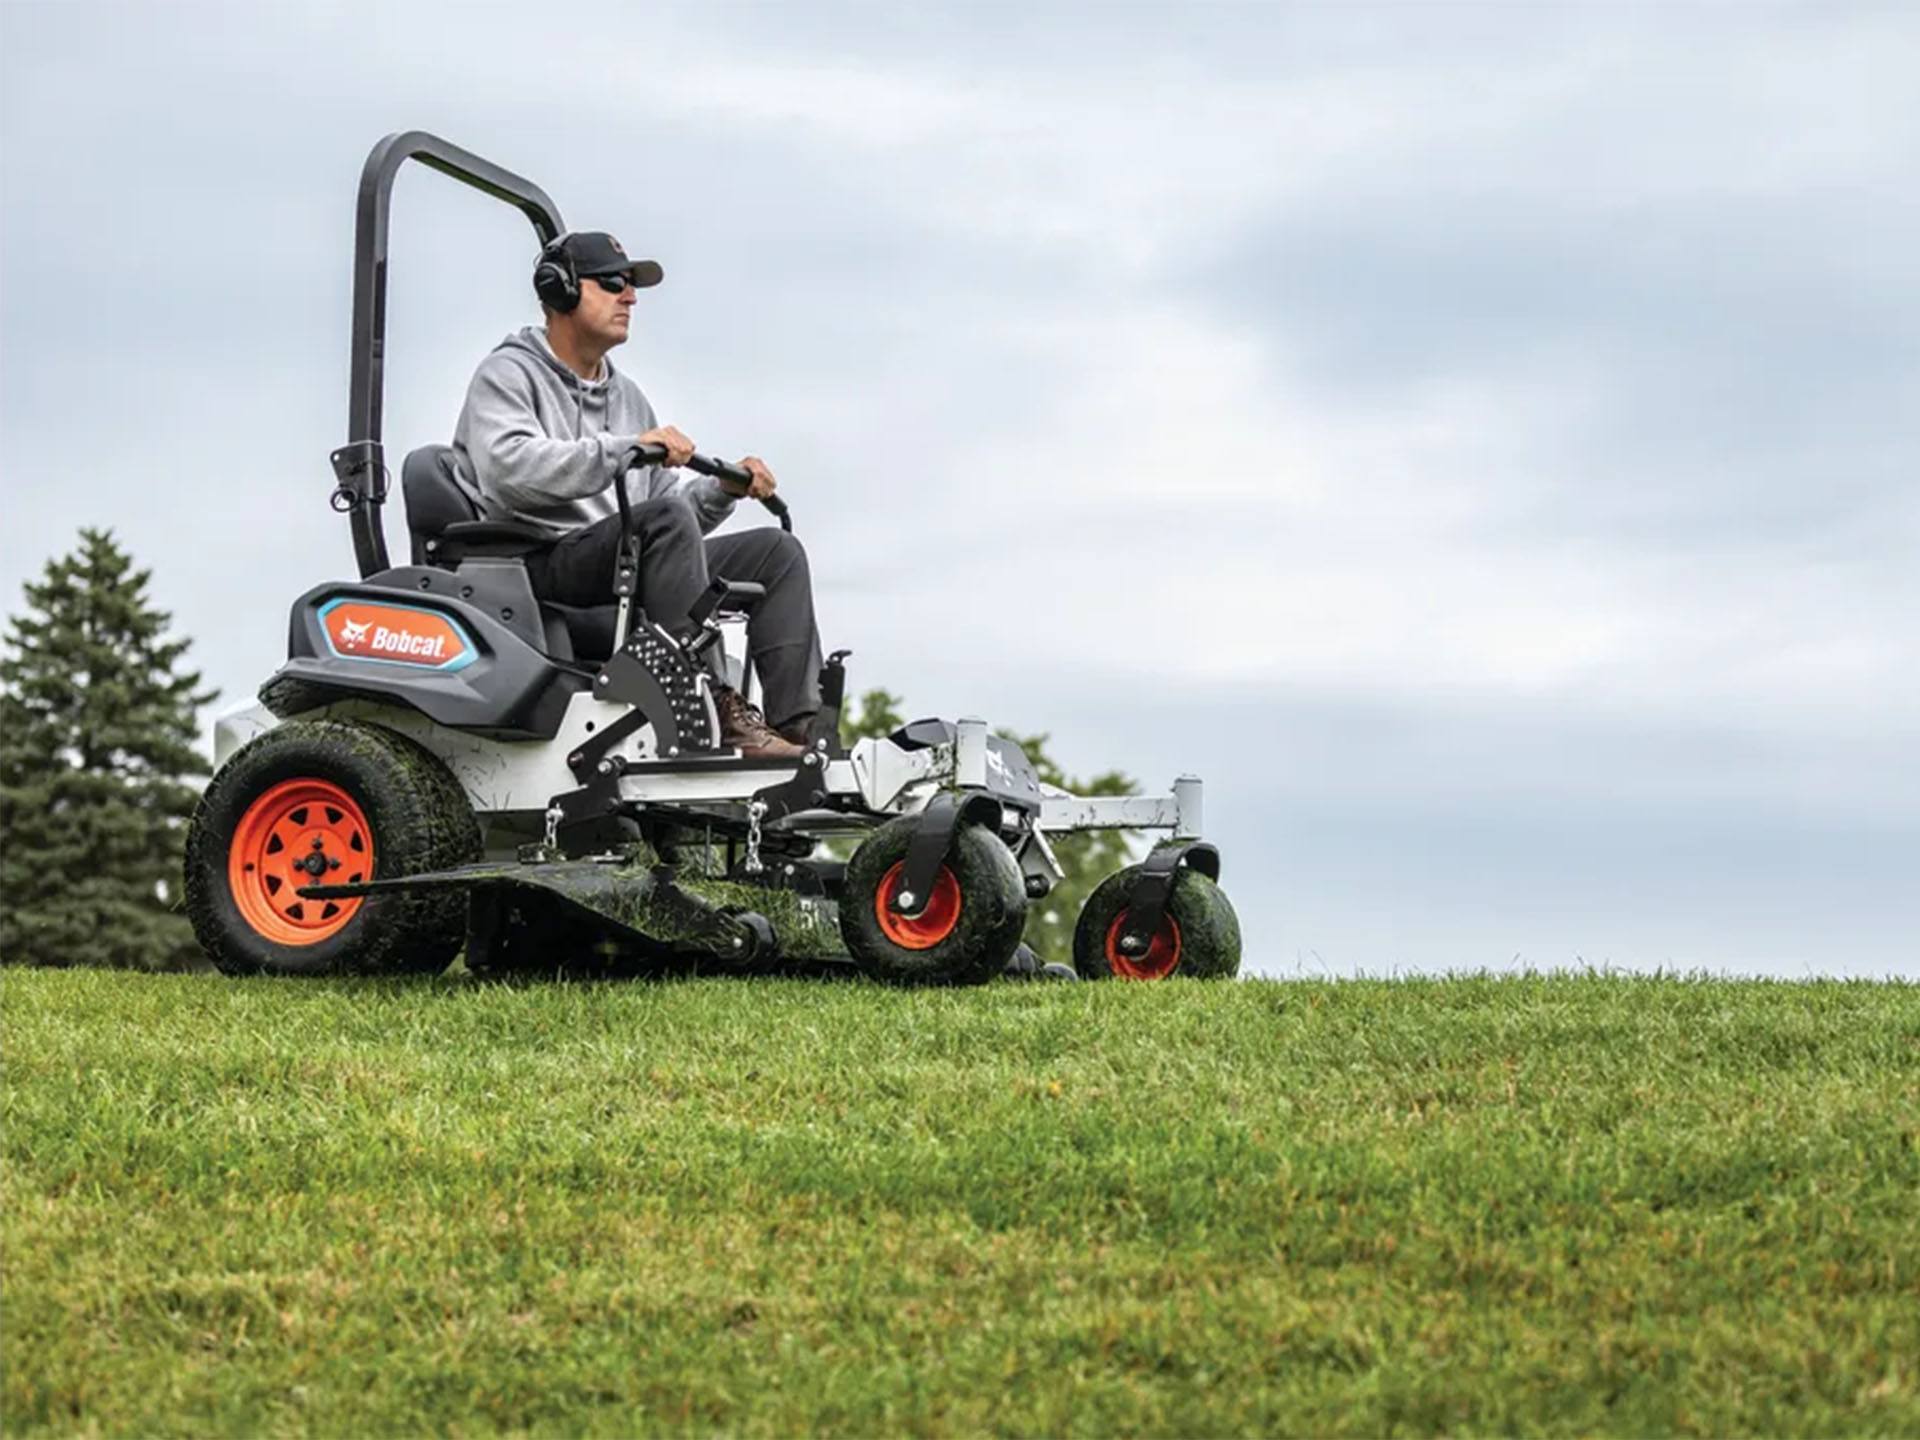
x=446 y=527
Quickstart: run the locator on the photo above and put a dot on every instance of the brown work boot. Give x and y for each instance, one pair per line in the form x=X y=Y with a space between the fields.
x=745 y=729
x=796 y=729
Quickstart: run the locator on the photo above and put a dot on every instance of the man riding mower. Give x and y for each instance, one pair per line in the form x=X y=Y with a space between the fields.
x=494 y=749
x=548 y=428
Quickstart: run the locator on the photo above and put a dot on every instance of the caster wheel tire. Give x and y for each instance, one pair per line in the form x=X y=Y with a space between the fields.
x=1199 y=935
x=1025 y=965
x=971 y=924
x=327 y=800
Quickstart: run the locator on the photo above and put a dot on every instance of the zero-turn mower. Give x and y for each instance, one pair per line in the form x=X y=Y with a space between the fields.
x=447 y=762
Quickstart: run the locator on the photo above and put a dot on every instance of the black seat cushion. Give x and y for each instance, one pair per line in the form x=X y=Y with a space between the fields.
x=509 y=538
x=435 y=497
x=439 y=508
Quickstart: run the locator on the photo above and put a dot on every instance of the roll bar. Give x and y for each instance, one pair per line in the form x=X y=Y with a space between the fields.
x=359 y=466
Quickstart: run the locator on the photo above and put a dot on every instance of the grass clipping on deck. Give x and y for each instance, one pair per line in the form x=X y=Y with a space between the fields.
x=1555 y=1205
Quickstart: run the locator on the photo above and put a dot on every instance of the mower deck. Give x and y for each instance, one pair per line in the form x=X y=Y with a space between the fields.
x=547 y=912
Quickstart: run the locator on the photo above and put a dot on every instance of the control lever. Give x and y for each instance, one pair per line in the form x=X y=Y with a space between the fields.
x=718 y=469
x=739 y=475
x=718 y=589
x=626 y=565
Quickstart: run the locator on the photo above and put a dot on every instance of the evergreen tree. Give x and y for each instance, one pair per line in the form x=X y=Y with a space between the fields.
x=98 y=734
x=1087 y=856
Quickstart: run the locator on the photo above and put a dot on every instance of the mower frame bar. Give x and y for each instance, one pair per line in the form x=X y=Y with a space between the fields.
x=1179 y=812
x=359 y=466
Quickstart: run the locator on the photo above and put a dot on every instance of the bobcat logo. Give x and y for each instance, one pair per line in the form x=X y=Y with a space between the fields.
x=396 y=633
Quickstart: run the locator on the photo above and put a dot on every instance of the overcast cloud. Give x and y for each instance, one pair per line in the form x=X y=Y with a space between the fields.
x=1480 y=441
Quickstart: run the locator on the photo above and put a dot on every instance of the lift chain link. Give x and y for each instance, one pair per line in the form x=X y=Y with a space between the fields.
x=754 y=812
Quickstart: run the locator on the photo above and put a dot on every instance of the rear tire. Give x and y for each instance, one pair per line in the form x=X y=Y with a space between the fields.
x=1199 y=932
x=971 y=924
x=348 y=800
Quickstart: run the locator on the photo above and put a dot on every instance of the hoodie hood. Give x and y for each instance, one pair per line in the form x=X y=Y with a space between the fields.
x=532 y=339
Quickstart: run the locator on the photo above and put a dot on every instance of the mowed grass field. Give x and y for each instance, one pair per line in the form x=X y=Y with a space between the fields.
x=1555 y=1205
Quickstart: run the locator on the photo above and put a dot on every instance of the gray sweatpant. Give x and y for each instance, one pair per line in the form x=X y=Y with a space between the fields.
x=676 y=562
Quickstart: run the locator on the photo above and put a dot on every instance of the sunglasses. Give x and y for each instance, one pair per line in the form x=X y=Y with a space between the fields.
x=615 y=284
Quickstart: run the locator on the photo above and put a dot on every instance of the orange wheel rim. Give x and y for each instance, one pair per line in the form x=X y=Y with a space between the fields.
x=300 y=833
x=932 y=925
x=1159 y=961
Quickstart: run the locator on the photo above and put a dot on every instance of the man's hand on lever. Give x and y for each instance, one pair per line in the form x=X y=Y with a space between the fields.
x=749 y=480
x=678 y=447
x=763 y=482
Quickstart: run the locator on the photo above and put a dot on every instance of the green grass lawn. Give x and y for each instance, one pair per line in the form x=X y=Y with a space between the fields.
x=1542 y=1204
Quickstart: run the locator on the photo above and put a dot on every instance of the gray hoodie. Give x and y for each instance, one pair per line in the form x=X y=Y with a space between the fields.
x=536 y=442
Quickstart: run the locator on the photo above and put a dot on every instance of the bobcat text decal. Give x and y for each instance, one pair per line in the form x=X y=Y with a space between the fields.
x=401 y=635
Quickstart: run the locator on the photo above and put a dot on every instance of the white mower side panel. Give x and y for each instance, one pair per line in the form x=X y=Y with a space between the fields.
x=501 y=777
x=236 y=725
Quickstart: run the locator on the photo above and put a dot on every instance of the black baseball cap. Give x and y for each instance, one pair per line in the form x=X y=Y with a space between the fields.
x=594 y=252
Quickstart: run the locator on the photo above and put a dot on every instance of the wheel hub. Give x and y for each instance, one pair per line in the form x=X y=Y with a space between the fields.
x=316 y=862
x=936 y=919
x=1155 y=959
x=295 y=833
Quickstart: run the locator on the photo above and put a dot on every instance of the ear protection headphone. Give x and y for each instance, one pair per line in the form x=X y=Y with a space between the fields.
x=553 y=278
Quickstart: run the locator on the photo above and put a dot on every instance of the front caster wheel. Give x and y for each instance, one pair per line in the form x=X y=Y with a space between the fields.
x=1199 y=934
x=969 y=927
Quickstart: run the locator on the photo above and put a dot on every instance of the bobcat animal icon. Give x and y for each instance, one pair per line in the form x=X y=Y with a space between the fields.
x=353 y=634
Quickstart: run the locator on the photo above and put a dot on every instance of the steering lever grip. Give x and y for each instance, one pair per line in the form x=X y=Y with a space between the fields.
x=719 y=470
x=743 y=477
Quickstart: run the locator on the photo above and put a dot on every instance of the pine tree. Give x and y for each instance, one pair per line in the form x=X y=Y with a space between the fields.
x=98 y=736
x=1087 y=857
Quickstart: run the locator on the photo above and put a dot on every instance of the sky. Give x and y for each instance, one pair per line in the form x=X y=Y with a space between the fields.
x=1480 y=441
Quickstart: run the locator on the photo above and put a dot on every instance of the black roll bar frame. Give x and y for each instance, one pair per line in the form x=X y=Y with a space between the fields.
x=359 y=466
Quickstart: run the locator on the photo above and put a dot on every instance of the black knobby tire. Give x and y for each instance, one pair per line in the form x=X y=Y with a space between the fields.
x=1198 y=913
x=416 y=818
x=983 y=881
